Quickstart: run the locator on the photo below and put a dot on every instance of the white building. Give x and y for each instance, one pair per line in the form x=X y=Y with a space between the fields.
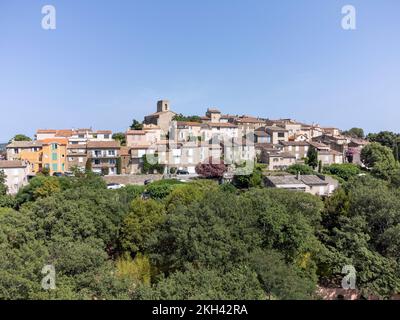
x=16 y=172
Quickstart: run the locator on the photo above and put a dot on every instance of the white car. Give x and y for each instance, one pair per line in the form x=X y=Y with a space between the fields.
x=115 y=186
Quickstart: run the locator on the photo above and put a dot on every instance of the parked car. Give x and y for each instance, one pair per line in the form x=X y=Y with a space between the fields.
x=68 y=174
x=182 y=172
x=147 y=181
x=57 y=174
x=115 y=186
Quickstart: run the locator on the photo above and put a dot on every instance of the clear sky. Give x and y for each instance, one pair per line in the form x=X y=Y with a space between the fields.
x=110 y=61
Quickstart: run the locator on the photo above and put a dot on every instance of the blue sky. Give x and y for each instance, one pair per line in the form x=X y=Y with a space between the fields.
x=110 y=61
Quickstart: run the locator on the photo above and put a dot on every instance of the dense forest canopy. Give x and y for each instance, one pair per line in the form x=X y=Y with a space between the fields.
x=202 y=240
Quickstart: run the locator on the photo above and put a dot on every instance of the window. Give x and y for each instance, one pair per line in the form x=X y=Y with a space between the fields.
x=54 y=146
x=111 y=152
x=54 y=156
x=281 y=134
x=96 y=161
x=63 y=167
x=55 y=167
x=106 y=136
x=112 y=161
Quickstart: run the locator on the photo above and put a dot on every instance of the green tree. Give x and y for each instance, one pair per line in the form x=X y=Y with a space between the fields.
x=252 y=180
x=144 y=217
x=150 y=167
x=354 y=133
x=344 y=170
x=136 y=125
x=3 y=186
x=387 y=139
x=358 y=221
x=119 y=165
x=281 y=280
x=20 y=137
x=312 y=157
x=181 y=117
x=121 y=137
x=45 y=171
x=379 y=159
x=300 y=168
x=205 y=283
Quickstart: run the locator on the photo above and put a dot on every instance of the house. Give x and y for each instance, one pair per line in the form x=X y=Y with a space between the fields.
x=182 y=131
x=104 y=156
x=297 y=148
x=16 y=172
x=238 y=150
x=353 y=152
x=338 y=143
x=288 y=182
x=136 y=157
x=136 y=138
x=54 y=153
x=262 y=137
x=213 y=114
x=28 y=151
x=76 y=156
x=218 y=129
x=275 y=134
x=319 y=185
x=248 y=123
x=331 y=131
x=328 y=157
x=277 y=160
x=163 y=117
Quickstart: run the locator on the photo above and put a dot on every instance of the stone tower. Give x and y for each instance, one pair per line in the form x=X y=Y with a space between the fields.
x=162 y=106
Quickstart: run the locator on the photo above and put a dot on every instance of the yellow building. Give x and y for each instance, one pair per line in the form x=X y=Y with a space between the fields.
x=54 y=154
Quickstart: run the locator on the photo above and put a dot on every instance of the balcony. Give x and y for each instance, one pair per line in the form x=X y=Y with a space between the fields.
x=99 y=155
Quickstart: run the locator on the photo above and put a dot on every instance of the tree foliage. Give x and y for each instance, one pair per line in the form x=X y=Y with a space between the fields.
x=312 y=157
x=181 y=117
x=354 y=133
x=121 y=137
x=136 y=125
x=20 y=137
x=300 y=168
x=211 y=169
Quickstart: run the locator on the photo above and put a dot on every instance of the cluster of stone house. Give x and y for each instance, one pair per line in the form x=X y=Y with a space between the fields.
x=61 y=150
x=184 y=144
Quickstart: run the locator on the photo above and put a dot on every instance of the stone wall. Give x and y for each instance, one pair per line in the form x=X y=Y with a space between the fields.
x=127 y=179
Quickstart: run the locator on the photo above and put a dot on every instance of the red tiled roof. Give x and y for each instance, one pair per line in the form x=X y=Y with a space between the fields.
x=103 y=144
x=188 y=123
x=9 y=164
x=62 y=141
x=136 y=132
